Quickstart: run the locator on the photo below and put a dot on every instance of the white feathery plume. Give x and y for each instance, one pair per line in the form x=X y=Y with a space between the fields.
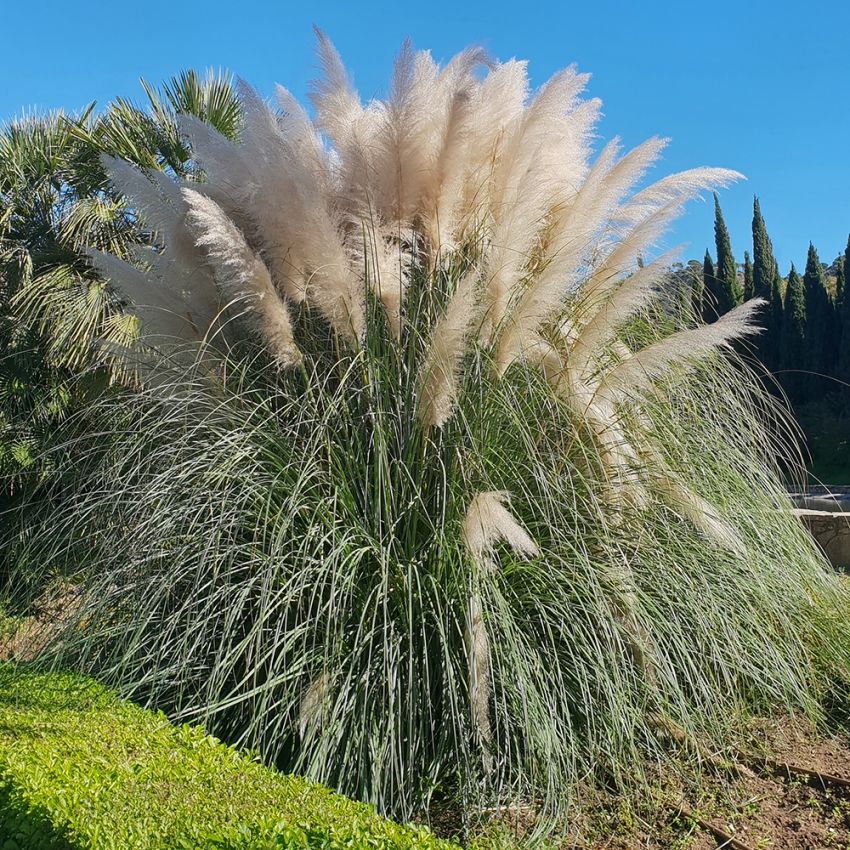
x=699 y=512
x=445 y=191
x=477 y=646
x=157 y=199
x=643 y=367
x=496 y=103
x=352 y=129
x=165 y=317
x=683 y=186
x=449 y=123
x=523 y=154
x=644 y=218
x=402 y=155
x=385 y=265
x=135 y=284
x=591 y=338
x=574 y=227
x=337 y=105
x=487 y=522
x=301 y=232
x=229 y=180
x=241 y=274
x=438 y=376
x=528 y=181
x=312 y=704
x=154 y=196
x=621 y=257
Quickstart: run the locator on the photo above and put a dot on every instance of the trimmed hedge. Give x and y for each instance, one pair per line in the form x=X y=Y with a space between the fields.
x=82 y=770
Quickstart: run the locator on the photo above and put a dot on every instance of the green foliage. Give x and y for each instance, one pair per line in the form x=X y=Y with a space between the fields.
x=794 y=329
x=770 y=346
x=749 y=291
x=843 y=307
x=82 y=770
x=820 y=319
x=727 y=291
x=764 y=264
x=58 y=321
x=708 y=294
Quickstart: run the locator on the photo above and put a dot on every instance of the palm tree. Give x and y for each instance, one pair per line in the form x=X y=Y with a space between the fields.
x=58 y=320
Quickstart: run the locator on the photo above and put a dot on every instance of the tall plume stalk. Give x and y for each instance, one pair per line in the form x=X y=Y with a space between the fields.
x=428 y=486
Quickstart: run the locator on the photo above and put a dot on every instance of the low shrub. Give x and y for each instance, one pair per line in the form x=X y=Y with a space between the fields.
x=80 y=768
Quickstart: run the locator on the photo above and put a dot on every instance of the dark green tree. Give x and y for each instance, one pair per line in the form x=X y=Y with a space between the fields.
x=692 y=276
x=728 y=291
x=749 y=291
x=840 y=295
x=770 y=344
x=708 y=293
x=792 y=357
x=765 y=268
x=820 y=319
x=843 y=310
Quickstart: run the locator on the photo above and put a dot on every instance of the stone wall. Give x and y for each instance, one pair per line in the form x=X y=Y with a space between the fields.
x=831 y=530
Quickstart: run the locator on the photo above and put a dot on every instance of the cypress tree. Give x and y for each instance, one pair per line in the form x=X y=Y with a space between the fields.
x=749 y=291
x=793 y=339
x=770 y=345
x=708 y=295
x=728 y=290
x=694 y=273
x=765 y=268
x=820 y=317
x=844 y=320
x=838 y=320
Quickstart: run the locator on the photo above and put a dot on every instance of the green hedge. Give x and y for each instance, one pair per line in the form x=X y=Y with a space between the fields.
x=80 y=768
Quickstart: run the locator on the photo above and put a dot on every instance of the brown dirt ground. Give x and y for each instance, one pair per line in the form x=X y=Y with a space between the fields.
x=755 y=800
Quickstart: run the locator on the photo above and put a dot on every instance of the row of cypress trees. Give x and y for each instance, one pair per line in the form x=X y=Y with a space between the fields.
x=806 y=341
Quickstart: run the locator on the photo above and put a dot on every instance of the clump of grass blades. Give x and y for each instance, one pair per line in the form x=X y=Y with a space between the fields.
x=424 y=492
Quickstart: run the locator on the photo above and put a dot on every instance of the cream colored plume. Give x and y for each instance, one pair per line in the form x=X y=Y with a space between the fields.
x=638 y=372
x=437 y=384
x=385 y=265
x=165 y=317
x=174 y=262
x=487 y=522
x=241 y=275
x=312 y=704
x=336 y=102
x=699 y=512
x=597 y=324
x=153 y=196
x=574 y=229
x=477 y=646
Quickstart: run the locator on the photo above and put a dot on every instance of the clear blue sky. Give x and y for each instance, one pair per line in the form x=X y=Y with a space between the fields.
x=762 y=87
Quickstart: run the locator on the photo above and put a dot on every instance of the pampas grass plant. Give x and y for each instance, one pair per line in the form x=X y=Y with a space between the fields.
x=423 y=489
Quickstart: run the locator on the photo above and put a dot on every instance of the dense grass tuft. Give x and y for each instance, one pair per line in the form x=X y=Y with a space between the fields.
x=432 y=489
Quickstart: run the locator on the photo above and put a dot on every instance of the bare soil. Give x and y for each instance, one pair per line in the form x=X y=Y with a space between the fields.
x=780 y=791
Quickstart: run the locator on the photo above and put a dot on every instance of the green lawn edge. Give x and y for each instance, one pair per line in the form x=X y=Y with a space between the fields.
x=81 y=769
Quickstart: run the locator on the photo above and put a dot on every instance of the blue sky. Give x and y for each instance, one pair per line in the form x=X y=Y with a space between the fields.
x=757 y=86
